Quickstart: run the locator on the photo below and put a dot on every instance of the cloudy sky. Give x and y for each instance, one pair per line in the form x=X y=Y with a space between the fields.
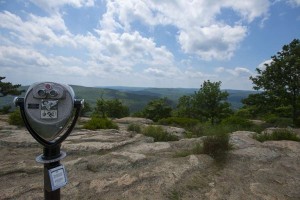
x=157 y=43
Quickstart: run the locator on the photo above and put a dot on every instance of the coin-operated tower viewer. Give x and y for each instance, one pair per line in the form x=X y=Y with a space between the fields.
x=50 y=111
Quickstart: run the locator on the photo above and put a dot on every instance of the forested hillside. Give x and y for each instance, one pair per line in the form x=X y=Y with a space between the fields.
x=136 y=98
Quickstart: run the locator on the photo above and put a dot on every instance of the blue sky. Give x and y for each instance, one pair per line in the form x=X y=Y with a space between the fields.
x=178 y=43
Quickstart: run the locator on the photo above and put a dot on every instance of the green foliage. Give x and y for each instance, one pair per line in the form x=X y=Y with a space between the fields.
x=138 y=114
x=259 y=104
x=158 y=133
x=100 y=123
x=283 y=111
x=216 y=145
x=111 y=108
x=5 y=109
x=183 y=153
x=196 y=131
x=185 y=107
x=15 y=118
x=281 y=122
x=116 y=109
x=134 y=127
x=86 y=109
x=7 y=88
x=179 y=121
x=206 y=129
x=157 y=109
x=280 y=78
x=210 y=102
x=218 y=129
x=280 y=134
x=238 y=122
x=243 y=113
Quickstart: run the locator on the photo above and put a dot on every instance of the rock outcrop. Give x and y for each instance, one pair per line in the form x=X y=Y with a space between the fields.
x=116 y=164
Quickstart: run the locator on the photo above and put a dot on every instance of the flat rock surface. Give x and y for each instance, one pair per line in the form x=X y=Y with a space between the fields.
x=116 y=164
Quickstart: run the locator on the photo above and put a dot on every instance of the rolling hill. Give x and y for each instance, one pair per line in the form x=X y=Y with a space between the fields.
x=137 y=97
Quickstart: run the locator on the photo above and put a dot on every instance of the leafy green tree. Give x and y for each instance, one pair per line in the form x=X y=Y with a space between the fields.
x=210 y=102
x=100 y=108
x=111 y=108
x=258 y=104
x=7 y=88
x=185 y=106
x=280 y=80
x=116 y=109
x=157 y=109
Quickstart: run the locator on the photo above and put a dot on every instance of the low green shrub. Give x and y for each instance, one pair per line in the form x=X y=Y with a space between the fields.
x=179 y=121
x=158 y=133
x=5 y=109
x=297 y=122
x=281 y=122
x=219 y=129
x=197 y=130
x=182 y=153
x=100 y=123
x=238 y=122
x=280 y=134
x=15 y=118
x=134 y=127
x=216 y=145
x=189 y=134
x=243 y=113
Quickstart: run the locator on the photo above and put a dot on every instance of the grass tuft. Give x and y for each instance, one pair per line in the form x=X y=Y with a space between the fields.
x=135 y=128
x=159 y=134
x=280 y=134
x=100 y=123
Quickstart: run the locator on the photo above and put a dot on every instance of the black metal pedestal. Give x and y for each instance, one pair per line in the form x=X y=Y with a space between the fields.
x=50 y=154
x=51 y=159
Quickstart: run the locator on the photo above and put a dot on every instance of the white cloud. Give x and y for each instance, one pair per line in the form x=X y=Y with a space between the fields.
x=119 y=51
x=295 y=3
x=240 y=71
x=249 y=10
x=213 y=42
x=18 y=58
x=219 y=69
x=54 y=5
x=116 y=51
x=237 y=71
x=262 y=64
x=199 y=31
x=155 y=71
x=106 y=51
x=37 y=30
x=31 y=61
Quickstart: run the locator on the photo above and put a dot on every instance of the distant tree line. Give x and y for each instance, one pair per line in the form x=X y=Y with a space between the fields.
x=207 y=104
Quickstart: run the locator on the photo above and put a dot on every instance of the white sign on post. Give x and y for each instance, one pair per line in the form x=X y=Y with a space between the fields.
x=58 y=177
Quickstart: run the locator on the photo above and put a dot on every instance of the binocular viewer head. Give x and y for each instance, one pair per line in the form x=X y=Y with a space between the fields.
x=48 y=107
